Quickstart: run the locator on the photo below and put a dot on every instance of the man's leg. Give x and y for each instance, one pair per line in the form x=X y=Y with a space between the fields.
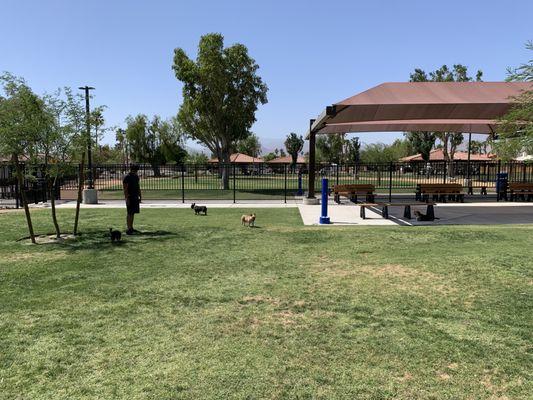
x=129 y=222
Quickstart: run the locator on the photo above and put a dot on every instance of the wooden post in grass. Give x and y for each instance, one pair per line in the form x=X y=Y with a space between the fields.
x=182 y=183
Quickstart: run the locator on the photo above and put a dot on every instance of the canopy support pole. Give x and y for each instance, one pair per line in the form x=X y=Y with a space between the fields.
x=312 y=140
x=469 y=152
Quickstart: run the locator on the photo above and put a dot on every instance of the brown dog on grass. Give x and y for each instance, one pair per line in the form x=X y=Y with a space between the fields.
x=248 y=219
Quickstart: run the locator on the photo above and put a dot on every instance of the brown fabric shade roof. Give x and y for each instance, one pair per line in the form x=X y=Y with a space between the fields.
x=422 y=106
x=434 y=125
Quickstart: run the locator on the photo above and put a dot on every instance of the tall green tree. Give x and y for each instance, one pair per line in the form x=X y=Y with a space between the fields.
x=294 y=145
x=422 y=142
x=329 y=148
x=22 y=121
x=56 y=144
x=353 y=151
x=250 y=146
x=221 y=93
x=97 y=121
x=516 y=127
x=144 y=141
x=122 y=145
x=155 y=141
x=172 y=141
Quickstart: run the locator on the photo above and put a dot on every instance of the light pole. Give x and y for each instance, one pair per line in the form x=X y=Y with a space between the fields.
x=90 y=181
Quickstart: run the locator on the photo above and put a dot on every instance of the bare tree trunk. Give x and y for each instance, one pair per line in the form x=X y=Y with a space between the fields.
x=53 y=202
x=20 y=178
x=225 y=169
x=80 y=191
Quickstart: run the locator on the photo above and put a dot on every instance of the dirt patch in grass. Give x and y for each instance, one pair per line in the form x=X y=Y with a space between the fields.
x=397 y=276
x=48 y=256
x=258 y=299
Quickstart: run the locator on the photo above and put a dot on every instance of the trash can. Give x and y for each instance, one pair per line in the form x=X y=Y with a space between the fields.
x=502 y=180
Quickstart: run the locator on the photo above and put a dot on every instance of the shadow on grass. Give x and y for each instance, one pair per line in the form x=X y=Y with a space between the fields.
x=99 y=241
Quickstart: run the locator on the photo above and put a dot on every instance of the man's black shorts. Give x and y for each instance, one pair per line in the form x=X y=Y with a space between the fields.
x=133 y=206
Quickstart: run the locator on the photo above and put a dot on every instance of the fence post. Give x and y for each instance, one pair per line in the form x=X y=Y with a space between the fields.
x=524 y=172
x=390 y=182
x=445 y=171
x=183 y=183
x=234 y=186
x=17 y=194
x=285 y=190
x=497 y=177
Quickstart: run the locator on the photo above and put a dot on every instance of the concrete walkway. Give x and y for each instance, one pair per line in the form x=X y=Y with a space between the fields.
x=102 y=204
x=347 y=214
x=447 y=213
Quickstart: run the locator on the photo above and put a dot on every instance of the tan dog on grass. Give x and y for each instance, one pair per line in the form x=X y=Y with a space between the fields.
x=248 y=219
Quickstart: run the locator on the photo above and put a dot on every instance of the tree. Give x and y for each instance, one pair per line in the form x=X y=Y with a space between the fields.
x=97 y=121
x=221 y=93
x=476 y=147
x=294 y=144
x=450 y=140
x=250 y=146
x=353 y=150
x=22 y=121
x=155 y=142
x=76 y=117
x=422 y=142
x=56 y=143
x=172 y=141
x=516 y=127
x=144 y=142
x=270 y=156
x=197 y=158
x=329 y=148
x=382 y=153
x=524 y=72
x=122 y=145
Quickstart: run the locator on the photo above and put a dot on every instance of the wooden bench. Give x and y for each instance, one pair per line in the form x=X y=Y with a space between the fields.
x=520 y=189
x=430 y=211
x=439 y=192
x=351 y=192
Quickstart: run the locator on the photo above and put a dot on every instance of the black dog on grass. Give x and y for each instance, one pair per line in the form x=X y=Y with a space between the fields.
x=199 y=209
x=115 y=235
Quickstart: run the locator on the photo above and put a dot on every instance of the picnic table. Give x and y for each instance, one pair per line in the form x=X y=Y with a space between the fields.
x=430 y=211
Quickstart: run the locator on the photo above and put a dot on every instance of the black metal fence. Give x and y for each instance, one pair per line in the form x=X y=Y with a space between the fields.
x=263 y=181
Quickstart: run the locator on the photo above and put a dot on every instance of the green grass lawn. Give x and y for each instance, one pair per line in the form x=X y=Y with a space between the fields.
x=202 y=308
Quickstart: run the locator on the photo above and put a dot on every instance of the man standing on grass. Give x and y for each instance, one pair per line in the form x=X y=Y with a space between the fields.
x=132 y=194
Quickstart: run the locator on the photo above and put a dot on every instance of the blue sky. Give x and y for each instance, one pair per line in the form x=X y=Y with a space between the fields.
x=310 y=53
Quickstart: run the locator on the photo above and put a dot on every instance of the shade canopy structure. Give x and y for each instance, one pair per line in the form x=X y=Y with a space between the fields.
x=460 y=107
x=423 y=106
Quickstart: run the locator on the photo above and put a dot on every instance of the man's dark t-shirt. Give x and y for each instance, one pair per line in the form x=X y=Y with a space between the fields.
x=134 y=193
x=134 y=190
